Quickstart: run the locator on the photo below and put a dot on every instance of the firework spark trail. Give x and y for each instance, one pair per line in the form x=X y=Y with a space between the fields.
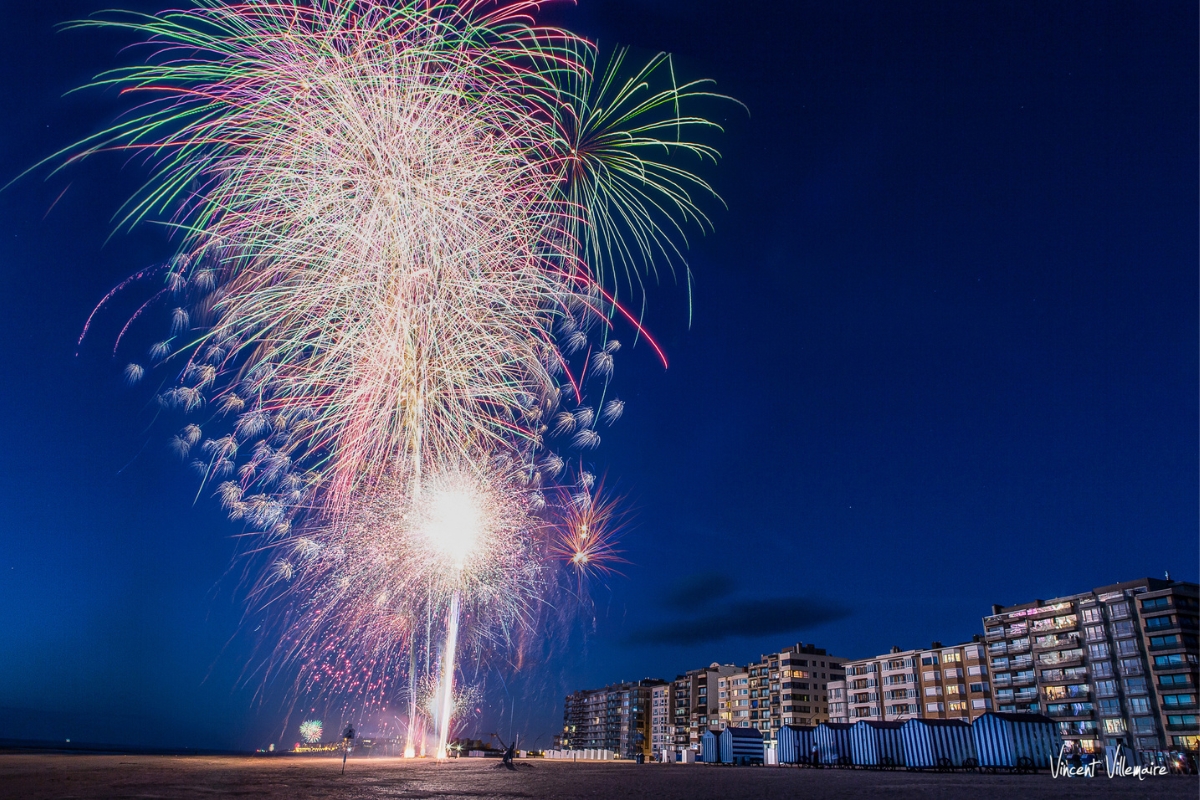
x=446 y=692
x=399 y=225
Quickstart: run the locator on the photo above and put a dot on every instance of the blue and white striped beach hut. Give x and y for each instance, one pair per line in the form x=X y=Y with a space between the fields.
x=833 y=743
x=937 y=743
x=1015 y=741
x=795 y=744
x=710 y=748
x=741 y=746
x=877 y=744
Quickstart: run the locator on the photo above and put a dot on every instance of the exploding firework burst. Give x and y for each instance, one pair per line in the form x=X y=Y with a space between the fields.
x=404 y=229
x=311 y=731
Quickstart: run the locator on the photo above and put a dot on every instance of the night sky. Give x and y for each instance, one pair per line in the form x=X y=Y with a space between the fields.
x=943 y=355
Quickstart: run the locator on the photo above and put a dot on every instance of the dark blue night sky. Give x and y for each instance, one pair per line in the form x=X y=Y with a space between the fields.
x=944 y=355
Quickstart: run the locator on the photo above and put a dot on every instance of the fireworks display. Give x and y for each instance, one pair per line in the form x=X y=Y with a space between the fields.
x=311 y=731
x=406 y=234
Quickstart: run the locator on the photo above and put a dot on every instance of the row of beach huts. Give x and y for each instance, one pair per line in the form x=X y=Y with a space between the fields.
x=994 y=741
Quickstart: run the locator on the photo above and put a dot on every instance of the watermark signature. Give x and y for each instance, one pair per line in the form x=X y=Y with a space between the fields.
x=1115 y=766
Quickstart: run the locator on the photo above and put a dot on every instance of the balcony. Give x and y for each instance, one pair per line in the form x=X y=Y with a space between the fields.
x=1025 y=696
x=997 y=648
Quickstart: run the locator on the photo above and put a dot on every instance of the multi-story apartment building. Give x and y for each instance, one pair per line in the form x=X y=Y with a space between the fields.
x=938 y=682
x=662 y=730
x=1088 y=661
x=1169 y=629
x=695 y=703
x=615 y=718
x=790 y=687
x=733 y=700
x=953 y=682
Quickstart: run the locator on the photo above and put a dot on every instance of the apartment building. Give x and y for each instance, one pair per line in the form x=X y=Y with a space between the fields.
x=790 y=687
x=1089 y=660
x=615 y=718
x=1170 y=620
x=733 y=700
x=953 y=682
x=937 y=682
x=695 y=704
x=662 y=730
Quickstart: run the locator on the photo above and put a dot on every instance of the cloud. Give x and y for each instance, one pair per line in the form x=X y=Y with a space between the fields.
x=686 y=594
x=742 y=619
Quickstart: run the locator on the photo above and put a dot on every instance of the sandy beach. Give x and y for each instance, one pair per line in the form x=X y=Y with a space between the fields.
x=34 y=776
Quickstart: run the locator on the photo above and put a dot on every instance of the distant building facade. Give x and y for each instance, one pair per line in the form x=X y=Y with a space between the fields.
x=695 y=704
x=789 y=687
x=662 y=730
x=1114 y=665
x=937 y=682
x=615 y=718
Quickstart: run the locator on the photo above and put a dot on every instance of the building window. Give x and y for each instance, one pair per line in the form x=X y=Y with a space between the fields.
x=1127 y=647
x=1175 y=660
x=1093 y=615
x=1106 y=688
x=1139 y=705
x=1153 y=603
x=1118 y=610
x=1123 y=628
x=1110 y=707
x=1097 y=651
x=1114 y=727
x=978 y=688
x=934 y=707
x=1102 y=669
x=1182 y=719
x=1172 y=700
x=1173 y=680
x=1135 y=686
x=1131 y=666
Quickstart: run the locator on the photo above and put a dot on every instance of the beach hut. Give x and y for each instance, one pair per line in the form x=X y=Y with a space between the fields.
x=1021 y=742
x=877 y=744
x=710 y=748
x=833 y=743
x=741 y=746
x=942 y=744
x=795 y=744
